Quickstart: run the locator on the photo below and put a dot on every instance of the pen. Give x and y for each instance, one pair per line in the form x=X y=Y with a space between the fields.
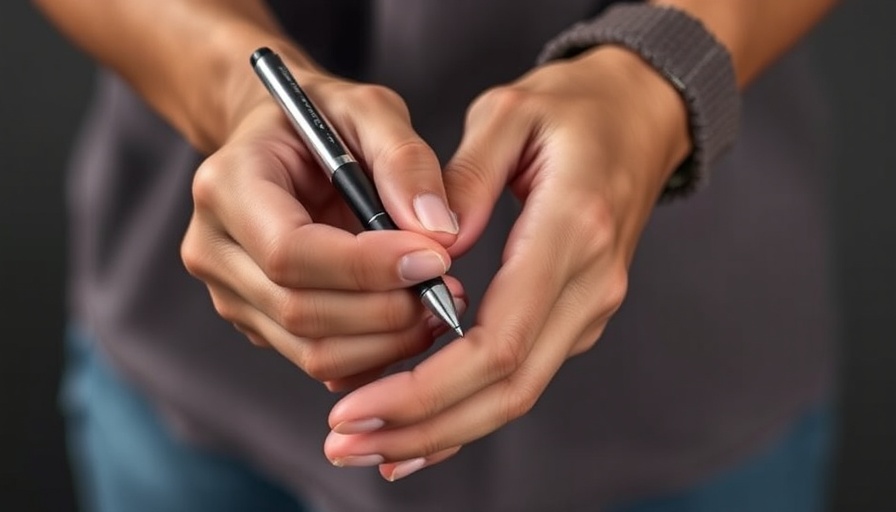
x=344 y=170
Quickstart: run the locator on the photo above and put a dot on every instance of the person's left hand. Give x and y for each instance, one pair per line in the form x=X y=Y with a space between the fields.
x=586 y=145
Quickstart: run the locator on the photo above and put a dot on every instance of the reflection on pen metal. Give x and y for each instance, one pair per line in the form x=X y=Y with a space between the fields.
x=344 y=170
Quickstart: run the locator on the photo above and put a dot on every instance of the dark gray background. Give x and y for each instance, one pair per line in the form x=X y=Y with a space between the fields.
x=45 y=82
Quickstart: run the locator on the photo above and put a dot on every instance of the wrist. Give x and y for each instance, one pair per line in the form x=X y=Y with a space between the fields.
x=682 y=50
x=656 y=111
x=652 y=137
x=241 y=91
x=222 y=88
x=232 y=90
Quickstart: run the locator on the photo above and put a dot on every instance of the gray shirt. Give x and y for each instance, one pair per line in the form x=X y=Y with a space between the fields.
x=724 y=338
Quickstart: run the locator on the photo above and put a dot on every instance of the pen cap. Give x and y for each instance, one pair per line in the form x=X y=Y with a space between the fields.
x=310 y=123
x=259 y=53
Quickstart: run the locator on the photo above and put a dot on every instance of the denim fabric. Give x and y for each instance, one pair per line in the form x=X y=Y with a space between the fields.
x=125 y=461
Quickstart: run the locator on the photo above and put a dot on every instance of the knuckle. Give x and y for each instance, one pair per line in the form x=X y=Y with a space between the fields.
x=361 y=271
x=596 y=226
x=204 y=184
x=467 y=176
x=500 y=101
x=277 y=263
x=256 y=340
x=615 y=289
x=519 y=399
x=395 y=311
x=224 y=306
x=410 y=153
x=373 y=94
x=589 y=339
x=192 y=255
x=299 y=315
x=429 y=442
x=320 y=364
x=508 y=355
x=367 y=267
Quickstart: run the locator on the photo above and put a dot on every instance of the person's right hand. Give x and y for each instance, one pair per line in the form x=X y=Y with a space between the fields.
x=282 y=255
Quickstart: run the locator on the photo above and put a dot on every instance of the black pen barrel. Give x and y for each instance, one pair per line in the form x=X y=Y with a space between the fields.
x=360 y=194
x=345 y=172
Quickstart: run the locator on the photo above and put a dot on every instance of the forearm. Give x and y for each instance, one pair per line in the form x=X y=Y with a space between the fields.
x=188 y=59
x=755 y=32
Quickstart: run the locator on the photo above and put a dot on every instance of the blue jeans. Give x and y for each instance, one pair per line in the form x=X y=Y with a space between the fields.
x=125 y=461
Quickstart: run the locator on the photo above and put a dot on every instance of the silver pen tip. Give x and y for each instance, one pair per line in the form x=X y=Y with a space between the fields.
x=438 y=299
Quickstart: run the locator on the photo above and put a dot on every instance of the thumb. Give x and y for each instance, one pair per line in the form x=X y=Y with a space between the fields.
x=490 y=154
x=405 y=170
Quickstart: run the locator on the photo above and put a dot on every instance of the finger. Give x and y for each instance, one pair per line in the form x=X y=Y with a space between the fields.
x=262 y=215
x=483 y=412
x=398 y=470
x=510 y=320
x=325 y=359
x=405 y=170
x=515 y=309
x=437 y=329
x=471 y=419
x=577 y=320
x=252 y=336
x=354 y=381
x=490 y=153
x=310 y=312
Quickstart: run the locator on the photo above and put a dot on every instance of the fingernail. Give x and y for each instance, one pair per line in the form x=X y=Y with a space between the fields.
x=434 y=215
x=421 y=265
x=403 y=469
x=438 y=326
x=359 y=426
x=358 y=461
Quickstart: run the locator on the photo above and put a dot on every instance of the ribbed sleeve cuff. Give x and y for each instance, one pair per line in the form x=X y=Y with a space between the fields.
x=680 y=48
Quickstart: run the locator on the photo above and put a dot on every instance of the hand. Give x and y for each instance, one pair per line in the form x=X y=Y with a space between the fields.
x=587 y=146
x=281 y=253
